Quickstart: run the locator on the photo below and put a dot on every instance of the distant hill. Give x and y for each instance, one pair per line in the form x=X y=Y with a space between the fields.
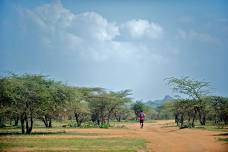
x=157 y=103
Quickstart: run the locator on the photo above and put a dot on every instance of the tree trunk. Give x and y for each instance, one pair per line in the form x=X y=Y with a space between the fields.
x=102 y=119
x=50 y=123
x=29 y=122
x=182 y=120
x=202 y=117
x=176 y=119
x=29 y=126
x=1 y=121
x=77 y=115
x=118 y=118
x=47 y=121
x=189 y=117
x=98 y=122
x=194 y=117
x=108 y=119
x=22 y=125
x=16 y=121
x=203 y=121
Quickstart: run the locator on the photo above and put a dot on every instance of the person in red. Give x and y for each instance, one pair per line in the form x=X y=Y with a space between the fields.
x=141 y=118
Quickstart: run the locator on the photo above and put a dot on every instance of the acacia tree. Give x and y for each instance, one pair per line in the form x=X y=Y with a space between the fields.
x=195 y=90
x=137 y=107
x=117 y=100
x=184 y=111
x=122 y=112
x=53 y=103
x=165 y=111
x=77 y=104
x=5 y=102
x=103 y=105
x=220 y=109
x=26 y=93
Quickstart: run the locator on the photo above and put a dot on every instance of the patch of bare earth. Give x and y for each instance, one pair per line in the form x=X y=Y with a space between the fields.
x=172 y=139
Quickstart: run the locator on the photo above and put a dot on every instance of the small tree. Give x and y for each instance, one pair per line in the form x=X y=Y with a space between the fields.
x=195 y=90
x=77 y=105
x=103 y=105
x=220 y=107
x=137 y=107
x=54 y=102
x=26 y=93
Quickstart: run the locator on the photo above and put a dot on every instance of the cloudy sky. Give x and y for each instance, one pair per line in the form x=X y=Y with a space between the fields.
x=119 y=44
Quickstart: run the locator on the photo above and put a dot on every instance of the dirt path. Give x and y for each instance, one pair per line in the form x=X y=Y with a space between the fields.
x=171 y=139
x=168 y=139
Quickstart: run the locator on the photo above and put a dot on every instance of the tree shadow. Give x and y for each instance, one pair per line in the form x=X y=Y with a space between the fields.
x=33 y=133
x=221 y=134
x=174 y=130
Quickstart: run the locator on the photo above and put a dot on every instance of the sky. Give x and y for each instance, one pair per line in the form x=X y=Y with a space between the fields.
x=119 y=44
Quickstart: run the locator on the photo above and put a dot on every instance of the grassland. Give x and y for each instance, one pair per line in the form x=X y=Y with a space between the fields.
x=68 y=139
x=70 y=144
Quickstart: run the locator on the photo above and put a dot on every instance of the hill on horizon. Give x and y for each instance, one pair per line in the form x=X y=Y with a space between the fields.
x=159 y=102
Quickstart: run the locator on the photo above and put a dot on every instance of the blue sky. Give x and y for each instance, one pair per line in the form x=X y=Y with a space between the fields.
x=117 y=44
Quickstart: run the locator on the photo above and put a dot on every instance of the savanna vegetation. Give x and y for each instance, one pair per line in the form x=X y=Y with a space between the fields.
x=47 y=110
x=199 y=105
x=27 y=98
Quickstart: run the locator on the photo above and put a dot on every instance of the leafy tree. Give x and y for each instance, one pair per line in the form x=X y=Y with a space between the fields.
x=104 y=104
x=165 y=111
x=53 y=104
x=122 y=113
x=195 y=90
x=220 y=108
x=77 y=105
x=26 y=93
x=137 y=107
x=184 y=113
x=5 y=101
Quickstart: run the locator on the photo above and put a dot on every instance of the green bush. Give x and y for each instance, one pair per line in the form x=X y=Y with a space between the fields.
x=89 y=124
x=105 y=126
x=72 y=124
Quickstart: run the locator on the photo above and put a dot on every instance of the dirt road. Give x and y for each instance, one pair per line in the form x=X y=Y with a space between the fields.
x=170 y=139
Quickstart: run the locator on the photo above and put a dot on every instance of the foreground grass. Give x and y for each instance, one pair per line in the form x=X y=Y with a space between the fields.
x=62 y=144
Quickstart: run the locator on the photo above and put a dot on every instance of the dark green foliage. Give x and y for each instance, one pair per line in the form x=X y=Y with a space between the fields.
x=198 y=105
x=28 y=97
x=138 y=106
x=105 y=105
x=220 y=109
x=24 y=94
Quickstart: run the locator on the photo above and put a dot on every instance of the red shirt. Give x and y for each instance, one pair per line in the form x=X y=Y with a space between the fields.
x=141 y=116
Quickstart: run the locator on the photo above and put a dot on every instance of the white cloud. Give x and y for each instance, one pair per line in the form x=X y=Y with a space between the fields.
x=89 y=35
x=88 y=25
x=138 y=29
x=93 y=25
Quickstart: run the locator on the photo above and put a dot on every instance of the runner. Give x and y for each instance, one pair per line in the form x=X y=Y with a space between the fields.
x=141 y=118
